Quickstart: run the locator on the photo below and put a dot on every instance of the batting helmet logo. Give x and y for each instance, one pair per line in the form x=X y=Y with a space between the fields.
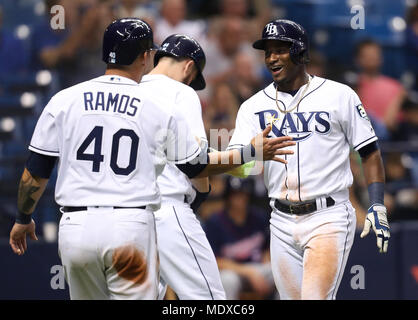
x=112 y=57
x=271 y=29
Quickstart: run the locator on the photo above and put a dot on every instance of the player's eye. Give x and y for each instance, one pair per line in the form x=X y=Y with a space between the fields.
x=276 y=51
x=268 y=54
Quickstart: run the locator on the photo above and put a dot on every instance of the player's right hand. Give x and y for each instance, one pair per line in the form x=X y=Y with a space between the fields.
x=18 y=236
x=272 y=146
x=376 y=218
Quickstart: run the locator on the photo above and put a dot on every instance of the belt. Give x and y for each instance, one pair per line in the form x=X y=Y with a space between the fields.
x=301 y=208
x=72 y=209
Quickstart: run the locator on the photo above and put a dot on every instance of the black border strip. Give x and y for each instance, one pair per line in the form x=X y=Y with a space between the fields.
x=364 y=142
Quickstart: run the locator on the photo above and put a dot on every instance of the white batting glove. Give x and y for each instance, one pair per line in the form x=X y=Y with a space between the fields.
x=376 y=218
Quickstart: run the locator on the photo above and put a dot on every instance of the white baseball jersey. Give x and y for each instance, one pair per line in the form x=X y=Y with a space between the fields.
x=186 y=104
x=112 y=142
x=187 y=262
x=328 y=121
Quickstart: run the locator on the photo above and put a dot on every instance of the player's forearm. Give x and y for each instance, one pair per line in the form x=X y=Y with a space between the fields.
x=30 y=191
x=224 y=161
x=201 y=184
x=375 y=177
x=221 y=162
x=373 y=168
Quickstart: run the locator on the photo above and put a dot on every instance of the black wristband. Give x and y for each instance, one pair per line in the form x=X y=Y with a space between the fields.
x=22 y=218
x=376 y=192
x=247 y=153
x=199 y=199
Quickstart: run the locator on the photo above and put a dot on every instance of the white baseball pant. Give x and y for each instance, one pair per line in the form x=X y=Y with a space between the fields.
x=109 y=253
x=187 y=262
x=309 y=252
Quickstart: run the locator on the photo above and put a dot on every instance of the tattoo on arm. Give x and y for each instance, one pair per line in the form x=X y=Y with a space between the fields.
x=30 y=191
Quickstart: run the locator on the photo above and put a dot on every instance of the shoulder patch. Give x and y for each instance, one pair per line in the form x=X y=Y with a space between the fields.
x=362 y=112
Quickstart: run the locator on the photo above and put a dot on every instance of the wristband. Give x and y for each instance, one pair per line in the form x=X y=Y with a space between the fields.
x=22 y=218
x=376 y=192
x=199 y=199
x=247 y=153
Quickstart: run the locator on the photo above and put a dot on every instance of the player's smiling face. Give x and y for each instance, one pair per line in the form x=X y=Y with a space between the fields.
x=278 y=61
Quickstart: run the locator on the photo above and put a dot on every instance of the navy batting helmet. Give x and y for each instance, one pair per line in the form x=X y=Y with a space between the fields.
x=124 y=39
x=181 y=46
x=288 y=31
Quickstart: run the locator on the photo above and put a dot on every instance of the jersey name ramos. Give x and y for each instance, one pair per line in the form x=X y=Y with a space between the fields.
x=112 y=143
x=185 y=102
x=328 y=121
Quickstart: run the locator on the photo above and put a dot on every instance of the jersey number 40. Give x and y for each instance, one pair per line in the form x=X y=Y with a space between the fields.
x=96 y=136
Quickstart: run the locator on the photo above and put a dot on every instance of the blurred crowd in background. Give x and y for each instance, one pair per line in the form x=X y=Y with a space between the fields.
x=379 y=61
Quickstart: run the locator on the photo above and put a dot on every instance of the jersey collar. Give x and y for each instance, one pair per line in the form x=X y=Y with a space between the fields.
x=108 y=78
x=151 y=77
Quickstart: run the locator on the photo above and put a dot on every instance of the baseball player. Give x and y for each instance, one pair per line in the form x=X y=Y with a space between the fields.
x=111 y=141
x=312 y=223
x=102 y=133
x=177 y=74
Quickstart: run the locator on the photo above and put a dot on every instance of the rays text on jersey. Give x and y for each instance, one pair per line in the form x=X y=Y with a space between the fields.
x=299 y=125
x=111 y=102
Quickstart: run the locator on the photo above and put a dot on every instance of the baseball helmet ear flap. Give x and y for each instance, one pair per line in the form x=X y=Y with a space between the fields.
x=299 y=53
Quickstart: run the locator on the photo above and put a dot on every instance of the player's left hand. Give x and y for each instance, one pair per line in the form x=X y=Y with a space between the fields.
x=377 y=219
x=18 y=236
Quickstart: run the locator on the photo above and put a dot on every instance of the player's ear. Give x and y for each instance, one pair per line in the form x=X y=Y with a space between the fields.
x=149 y=61
x=147 y=56
x=189 y=68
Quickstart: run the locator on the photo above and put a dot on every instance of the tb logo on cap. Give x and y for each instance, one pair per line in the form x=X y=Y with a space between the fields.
x=112 y=57
x=271 y=29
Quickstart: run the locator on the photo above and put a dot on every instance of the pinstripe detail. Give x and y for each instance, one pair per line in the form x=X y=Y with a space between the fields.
x=188 y=157
x=274 y=99
x=236 y=145
x=57 y=152
x=194 y=255
x=341 y=272
x=313 y=89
